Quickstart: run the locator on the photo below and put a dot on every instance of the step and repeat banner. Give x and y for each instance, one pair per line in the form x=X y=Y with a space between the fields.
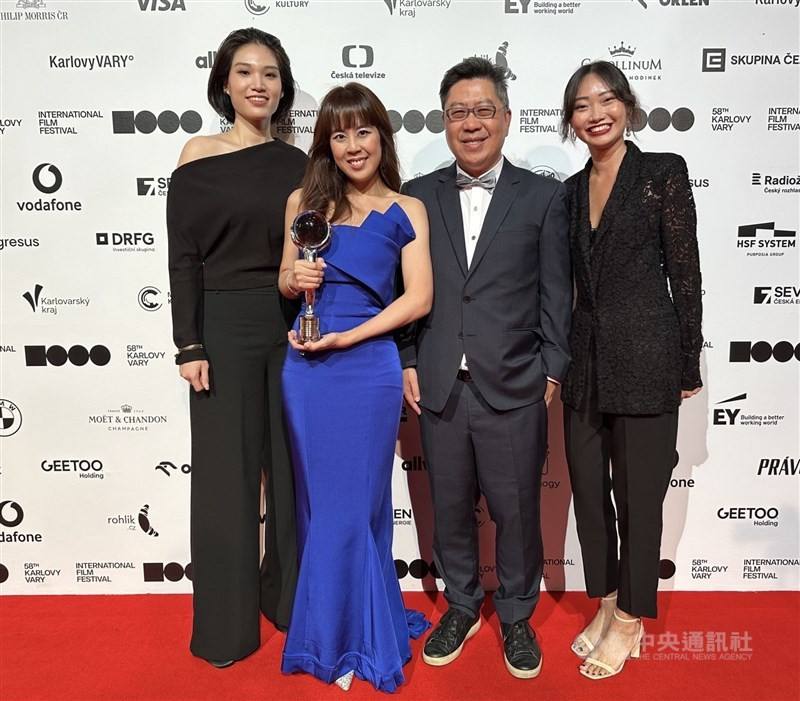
x=96 y=100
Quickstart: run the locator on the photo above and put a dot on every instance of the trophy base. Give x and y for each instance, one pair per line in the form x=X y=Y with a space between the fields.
x=309 y=329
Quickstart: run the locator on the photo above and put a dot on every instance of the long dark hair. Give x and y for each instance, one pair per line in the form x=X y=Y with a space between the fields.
x=219 y=99
x=615 y=81
x=345 y=107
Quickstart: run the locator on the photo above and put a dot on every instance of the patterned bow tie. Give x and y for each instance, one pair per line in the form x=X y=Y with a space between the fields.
x=487 y=181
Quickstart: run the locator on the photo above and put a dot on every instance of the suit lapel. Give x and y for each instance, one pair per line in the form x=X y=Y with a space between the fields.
x=504 y=193
x=623 y=186
x=450 y=205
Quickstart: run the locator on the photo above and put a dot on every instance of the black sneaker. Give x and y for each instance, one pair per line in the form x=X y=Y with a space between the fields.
x=220 y=664
x=521 y=651
x=447 y=640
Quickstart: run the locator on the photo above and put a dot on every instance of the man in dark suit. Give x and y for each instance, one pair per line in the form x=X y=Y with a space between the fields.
x=482 y=367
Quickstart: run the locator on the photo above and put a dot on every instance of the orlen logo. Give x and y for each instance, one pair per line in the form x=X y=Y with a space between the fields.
x=162 y=5
x=172 y=571
x=145 y=122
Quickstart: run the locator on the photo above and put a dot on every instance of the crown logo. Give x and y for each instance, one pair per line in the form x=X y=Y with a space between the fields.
x=126 y=408
x=622 y=50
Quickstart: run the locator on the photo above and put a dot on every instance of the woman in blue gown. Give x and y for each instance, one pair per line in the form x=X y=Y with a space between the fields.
x=343 y=395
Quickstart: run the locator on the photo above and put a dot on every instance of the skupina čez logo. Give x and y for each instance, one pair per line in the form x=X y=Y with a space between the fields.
x=10 y=418
x=47 y=179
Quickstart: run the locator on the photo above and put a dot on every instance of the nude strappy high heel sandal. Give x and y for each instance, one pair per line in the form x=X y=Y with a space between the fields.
x=582 y=646
x=634 y=653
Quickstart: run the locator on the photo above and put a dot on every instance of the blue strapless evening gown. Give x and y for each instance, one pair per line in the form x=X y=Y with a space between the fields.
x=343 y=412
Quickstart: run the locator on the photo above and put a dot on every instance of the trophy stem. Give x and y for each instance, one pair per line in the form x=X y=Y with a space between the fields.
x=309 y=323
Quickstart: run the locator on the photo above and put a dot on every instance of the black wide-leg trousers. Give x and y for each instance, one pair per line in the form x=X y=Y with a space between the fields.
x=641 y=452
x=238 y=433
x=470 y=448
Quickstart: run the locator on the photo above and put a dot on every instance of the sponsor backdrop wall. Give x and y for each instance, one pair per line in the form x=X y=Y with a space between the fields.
x=96 y=100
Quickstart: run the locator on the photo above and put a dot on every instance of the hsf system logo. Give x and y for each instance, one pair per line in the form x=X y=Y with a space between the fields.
x=765 y=235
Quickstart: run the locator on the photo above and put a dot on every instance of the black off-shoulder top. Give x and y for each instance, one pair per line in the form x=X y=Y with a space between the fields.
x=225 y=226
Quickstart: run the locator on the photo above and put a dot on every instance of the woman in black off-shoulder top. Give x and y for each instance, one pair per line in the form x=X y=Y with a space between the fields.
x=225 y=220
x=635 y=343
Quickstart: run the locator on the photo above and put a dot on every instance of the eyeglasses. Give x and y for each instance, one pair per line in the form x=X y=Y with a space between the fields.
x=459 y=114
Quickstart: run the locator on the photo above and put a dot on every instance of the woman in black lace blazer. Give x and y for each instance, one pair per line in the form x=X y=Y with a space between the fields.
x=635 y=345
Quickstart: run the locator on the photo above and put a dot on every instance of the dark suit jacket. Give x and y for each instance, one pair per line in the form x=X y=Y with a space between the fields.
x=510 y=311
x=638 y=288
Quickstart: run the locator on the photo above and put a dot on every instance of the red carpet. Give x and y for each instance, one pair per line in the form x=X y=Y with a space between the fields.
x=705 y=646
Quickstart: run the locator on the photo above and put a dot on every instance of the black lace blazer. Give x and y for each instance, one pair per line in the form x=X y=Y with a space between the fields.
x=638 y=288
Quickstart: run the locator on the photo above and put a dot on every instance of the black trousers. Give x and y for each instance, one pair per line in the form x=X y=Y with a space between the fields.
x=237 y=434
x=641 y=450
x=470 y=449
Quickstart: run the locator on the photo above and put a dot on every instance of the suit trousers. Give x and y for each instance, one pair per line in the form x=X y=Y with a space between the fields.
x=470 y=449
x=238 y=434
x=641 y=450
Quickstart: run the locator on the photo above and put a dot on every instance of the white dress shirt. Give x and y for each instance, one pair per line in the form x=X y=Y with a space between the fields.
x=474 y=205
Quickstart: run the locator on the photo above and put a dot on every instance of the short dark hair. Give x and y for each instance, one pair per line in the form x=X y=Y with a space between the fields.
x=219 y=99
x=475 y=67
x=614 y=79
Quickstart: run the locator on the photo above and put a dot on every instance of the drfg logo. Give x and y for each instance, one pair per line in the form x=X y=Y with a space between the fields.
x=124 y=238
x=762 y=351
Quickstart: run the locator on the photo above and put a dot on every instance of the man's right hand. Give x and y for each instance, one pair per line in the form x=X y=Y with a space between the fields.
x=411 y=389
x=195 y=373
